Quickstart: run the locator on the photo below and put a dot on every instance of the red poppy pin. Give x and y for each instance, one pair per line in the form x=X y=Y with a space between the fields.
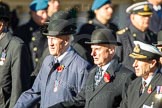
x=60 y=68
x=149 y=90
x=107 y=77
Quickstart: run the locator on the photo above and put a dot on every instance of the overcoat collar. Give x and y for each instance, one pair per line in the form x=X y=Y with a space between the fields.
x=114 y=66
x=5 y=41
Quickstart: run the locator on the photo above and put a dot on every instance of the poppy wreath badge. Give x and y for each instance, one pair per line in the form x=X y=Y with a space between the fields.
x=107 y=77
x=60 y=68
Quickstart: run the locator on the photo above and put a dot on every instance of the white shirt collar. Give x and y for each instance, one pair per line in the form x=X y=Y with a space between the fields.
x=63 y=55
x=105 y=67
x=156 y=8
x=148 y=80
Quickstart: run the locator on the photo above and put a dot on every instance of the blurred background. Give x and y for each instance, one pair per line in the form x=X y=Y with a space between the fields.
x=20 y=7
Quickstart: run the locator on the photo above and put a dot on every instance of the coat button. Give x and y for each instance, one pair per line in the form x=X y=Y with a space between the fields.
x=35 y=49
x=33 y=38
x=36 y=59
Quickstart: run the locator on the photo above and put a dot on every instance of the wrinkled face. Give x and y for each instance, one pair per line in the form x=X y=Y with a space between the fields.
x=140 y=22
x=102 y=53
x=53 y=6
x=142 y=68
x=57 y=45
x=40 y=16
x=105 y=12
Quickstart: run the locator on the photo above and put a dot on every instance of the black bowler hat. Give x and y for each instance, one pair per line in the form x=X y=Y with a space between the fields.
x=60 y=27
x=103 y=36
x=4 y=11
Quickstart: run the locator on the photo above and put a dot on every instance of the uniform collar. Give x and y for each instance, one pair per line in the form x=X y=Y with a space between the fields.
x=148 y=80
x=156 y=8
x=33 y=25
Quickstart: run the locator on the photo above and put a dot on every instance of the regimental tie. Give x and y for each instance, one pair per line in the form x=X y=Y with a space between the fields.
x=143 y=87
x=98 y=76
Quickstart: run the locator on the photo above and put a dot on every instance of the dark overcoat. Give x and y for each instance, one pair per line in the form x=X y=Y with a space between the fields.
x=14 y=70
x=31 y=34
x=133 y=98
x=126 y=37
x=107 y=95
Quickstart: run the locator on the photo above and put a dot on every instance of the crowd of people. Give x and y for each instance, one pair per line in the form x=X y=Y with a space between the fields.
x=51 y=62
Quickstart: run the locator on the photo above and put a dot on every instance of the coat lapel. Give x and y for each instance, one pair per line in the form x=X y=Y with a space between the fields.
x=146 y=95
x=112 y=68
x=5 y=40
x=90 y=85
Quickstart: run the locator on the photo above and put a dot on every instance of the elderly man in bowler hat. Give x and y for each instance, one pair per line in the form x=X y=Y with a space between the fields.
x=108 y=80
x=63 y=72
x=146 y=90
x=138 y=29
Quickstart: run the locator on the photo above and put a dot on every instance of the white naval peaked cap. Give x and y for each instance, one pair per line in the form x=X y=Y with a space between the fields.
x=140 y=8
x=145 y=51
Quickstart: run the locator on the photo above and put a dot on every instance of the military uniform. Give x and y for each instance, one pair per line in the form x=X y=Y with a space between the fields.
x=145 y=91
x=133 y=32
x=109 y=25
x=15 y=69
x=135 y=100
x=126 y=36
x=32 y=36
x=30 y=32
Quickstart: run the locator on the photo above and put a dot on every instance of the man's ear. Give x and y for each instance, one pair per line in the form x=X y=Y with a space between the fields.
x=153 y=63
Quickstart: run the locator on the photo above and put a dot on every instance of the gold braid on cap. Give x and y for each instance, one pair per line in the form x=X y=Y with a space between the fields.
x=137 y=49
x=146 y=8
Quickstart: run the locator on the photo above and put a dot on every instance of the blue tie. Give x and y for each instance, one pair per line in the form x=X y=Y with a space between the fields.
x=98 y=76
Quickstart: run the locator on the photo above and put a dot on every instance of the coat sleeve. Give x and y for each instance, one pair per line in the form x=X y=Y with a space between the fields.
x=130 y=76
x=20 y=71
x=32 y=96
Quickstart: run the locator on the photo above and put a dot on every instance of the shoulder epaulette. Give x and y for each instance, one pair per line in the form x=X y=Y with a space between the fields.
x=122 y=31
